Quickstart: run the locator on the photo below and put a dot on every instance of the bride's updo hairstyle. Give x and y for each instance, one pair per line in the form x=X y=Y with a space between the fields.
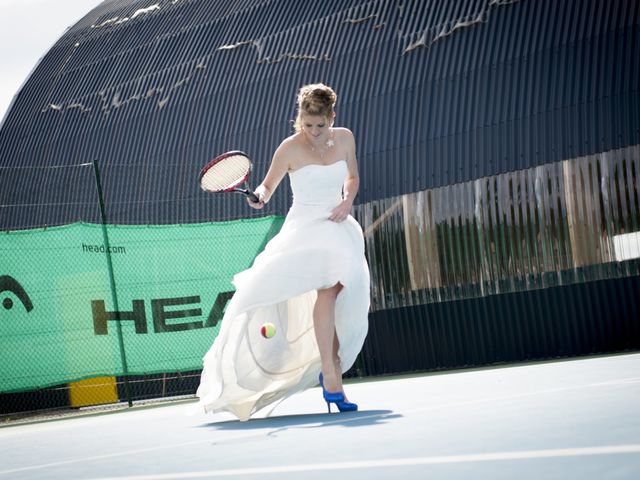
x=315 y=99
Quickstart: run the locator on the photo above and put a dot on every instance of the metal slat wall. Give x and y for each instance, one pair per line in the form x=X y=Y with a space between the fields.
x=475 y=115
x=451 y=91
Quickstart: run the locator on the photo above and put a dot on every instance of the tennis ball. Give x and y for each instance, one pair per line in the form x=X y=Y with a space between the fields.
x=268 y=330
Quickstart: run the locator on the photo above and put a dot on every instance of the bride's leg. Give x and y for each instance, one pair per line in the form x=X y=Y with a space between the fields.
x=325 y=330
x=336 y=360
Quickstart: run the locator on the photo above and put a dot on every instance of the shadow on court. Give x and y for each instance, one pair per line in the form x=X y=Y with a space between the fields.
x=363 y=418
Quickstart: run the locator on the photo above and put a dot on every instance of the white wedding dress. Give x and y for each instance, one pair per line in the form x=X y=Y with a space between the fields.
x=243 y=371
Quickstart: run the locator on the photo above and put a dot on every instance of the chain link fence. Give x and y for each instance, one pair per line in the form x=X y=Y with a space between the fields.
x=94 y=312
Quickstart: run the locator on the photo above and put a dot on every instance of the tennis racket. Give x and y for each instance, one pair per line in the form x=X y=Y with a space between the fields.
x=228 y=173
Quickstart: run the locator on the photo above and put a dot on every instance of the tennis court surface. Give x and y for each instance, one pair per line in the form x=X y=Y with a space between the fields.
x=576 y=419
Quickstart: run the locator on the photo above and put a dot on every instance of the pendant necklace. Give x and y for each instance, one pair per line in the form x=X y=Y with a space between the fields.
x=323 y=149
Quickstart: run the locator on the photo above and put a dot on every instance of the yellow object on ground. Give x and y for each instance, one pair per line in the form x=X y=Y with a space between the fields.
x=93 y=391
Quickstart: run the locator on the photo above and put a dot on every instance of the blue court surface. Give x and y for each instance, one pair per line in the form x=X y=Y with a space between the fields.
x=574 y=419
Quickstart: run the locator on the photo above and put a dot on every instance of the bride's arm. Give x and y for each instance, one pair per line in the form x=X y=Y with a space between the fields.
x=277 y=170
x=352 y=182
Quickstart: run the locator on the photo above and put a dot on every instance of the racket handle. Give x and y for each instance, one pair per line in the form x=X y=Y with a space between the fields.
x=252 y=196
x=248 y=193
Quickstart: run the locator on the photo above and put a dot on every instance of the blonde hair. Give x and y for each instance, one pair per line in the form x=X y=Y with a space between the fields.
x=315 y=99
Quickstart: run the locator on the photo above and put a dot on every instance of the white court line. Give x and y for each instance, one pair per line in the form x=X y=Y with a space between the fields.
x=400 y=462
x=119 y=454
x=511 y=396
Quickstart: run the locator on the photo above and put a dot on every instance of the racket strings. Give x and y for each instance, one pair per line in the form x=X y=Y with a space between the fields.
x=227 y=173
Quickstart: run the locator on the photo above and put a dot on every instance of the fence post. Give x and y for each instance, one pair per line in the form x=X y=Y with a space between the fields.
x=114 y=295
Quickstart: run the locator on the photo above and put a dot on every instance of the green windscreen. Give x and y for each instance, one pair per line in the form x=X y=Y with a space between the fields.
x=57 y=314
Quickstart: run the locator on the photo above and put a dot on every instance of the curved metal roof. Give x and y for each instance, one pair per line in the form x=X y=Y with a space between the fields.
x=437 y=93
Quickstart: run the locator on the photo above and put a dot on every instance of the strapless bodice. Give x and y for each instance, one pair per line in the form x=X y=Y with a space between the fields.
x=317 y=184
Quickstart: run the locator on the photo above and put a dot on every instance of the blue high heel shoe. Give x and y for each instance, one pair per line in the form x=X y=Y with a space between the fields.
x=338 y=399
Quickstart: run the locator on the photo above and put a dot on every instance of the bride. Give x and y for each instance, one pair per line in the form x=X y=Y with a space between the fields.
x=311 y=281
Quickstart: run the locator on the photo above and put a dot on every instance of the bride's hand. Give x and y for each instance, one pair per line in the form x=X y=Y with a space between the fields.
x=257 y=205
x=341 y=212
x=261 y=193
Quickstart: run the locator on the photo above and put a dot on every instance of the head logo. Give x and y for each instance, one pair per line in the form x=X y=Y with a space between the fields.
x=10 y=284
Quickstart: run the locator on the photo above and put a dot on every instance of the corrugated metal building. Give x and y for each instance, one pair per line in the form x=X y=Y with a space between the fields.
x=498 y=143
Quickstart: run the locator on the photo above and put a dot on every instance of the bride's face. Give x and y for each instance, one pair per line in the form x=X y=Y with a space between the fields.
x=316 y=128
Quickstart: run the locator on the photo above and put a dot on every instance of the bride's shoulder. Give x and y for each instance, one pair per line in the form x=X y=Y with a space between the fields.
x=291 y=144
x=342 y=132
x=343 y=136
x=289 y=149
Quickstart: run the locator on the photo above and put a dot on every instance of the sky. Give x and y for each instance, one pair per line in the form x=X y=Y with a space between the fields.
x=28 y=29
